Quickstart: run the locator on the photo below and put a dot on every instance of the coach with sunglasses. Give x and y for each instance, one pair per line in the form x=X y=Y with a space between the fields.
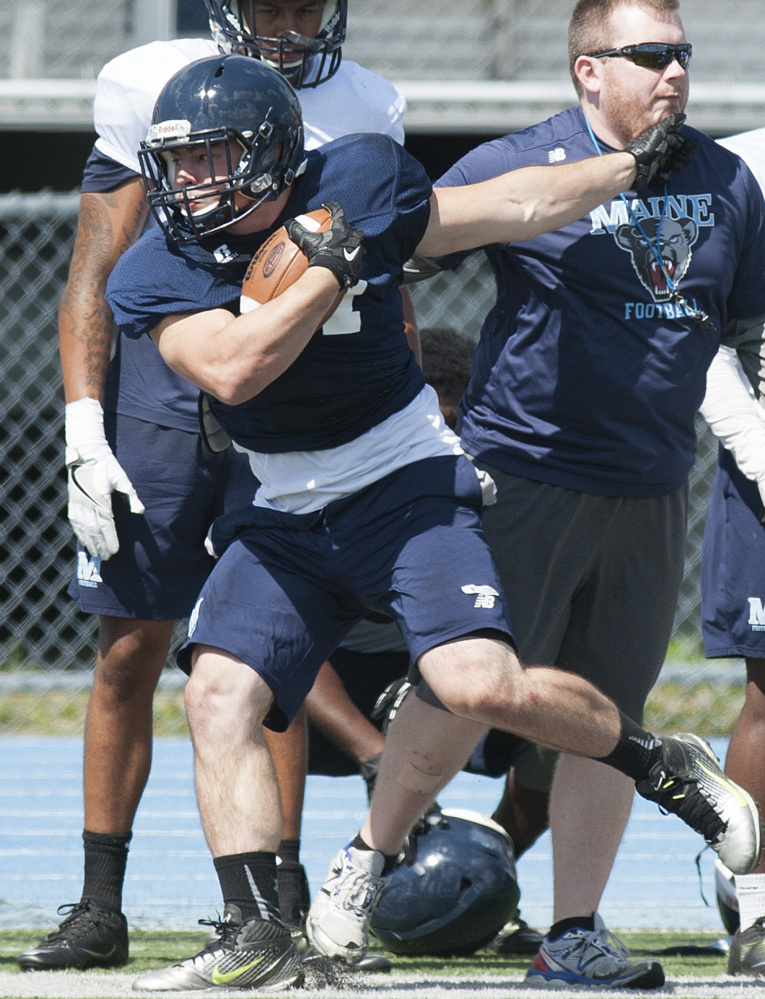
x=585 y=385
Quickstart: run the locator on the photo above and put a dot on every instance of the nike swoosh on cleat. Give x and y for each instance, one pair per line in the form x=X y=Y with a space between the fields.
x=221 y=977
x=733 y=789
x=97 y=953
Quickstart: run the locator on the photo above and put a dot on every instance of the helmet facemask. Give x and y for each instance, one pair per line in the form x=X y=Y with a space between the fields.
x=252 y=169
x=303 y=60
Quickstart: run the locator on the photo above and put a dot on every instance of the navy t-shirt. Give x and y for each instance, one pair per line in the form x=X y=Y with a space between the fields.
x=587 y=374
x=347 y=379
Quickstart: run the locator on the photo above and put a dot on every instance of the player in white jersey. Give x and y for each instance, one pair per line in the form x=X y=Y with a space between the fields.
x=733 y=579
x=131 y=431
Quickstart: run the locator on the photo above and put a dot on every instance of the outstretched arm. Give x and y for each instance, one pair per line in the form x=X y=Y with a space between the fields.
x=527 y=202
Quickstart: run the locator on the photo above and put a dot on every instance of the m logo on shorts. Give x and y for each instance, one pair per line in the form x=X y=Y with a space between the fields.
x=756 y=614
x=485 y=595
x=88 y=570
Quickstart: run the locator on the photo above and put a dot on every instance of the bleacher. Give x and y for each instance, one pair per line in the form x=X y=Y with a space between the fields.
x=465 y=65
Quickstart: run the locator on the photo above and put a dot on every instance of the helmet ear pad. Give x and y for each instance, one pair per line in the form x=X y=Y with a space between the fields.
x=453 y=889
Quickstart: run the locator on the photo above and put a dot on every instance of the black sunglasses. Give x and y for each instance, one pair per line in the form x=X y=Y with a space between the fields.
x=651 y=55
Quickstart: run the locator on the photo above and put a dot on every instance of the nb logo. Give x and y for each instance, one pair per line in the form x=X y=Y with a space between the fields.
x=88 y=570
x=223 y=255
x=556 y=155
x=486 y=596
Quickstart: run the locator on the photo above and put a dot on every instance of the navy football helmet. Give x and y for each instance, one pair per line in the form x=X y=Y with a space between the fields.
x=229 y=102
x=453 y=890
x=304 y=60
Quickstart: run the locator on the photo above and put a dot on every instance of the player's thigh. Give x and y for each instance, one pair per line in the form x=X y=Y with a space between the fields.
x=444 y=583
x=733 y=567
x=272 y=615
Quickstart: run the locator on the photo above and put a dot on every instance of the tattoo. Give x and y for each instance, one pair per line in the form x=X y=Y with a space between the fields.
x=107 y=225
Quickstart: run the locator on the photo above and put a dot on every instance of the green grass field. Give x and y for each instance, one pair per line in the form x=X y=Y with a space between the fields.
x=155 y=949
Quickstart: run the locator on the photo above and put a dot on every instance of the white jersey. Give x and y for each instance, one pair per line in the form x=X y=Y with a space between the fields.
x=353 y=100
x=750 y=146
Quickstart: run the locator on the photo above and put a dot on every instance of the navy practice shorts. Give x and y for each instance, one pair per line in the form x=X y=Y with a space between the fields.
x=288 y=587
x=733 y=567
x=162 y=562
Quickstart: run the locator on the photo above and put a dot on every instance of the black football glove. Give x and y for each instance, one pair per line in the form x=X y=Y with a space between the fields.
x=660 y=150
x=339 y=249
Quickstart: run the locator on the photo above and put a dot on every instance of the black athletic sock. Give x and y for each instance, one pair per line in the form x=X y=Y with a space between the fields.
x=573 y=922
x=248 y=880
x=390 y=861
x=289 y=851
x=635 y=752
x=105 y=862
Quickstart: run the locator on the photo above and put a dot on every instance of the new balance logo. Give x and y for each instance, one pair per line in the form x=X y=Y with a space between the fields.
x=88 y=570
x=756 y=614
x=486 y=596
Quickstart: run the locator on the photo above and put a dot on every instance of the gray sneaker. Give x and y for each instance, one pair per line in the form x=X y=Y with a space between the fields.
x=688 y=782
x=339 y=917
x=256 y=954
x=593 y=958
x=747 y=951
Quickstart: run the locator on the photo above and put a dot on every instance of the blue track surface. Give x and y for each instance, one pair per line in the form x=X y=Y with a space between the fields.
x=171 y=881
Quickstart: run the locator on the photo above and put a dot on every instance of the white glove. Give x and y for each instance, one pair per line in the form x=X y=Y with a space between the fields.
x=735 y=416
x=93 y=475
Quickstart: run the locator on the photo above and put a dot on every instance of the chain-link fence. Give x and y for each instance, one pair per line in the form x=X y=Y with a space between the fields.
x=43 y=636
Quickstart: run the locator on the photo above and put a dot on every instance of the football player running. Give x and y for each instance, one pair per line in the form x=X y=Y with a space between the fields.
x=366 y=501
x=142 y=488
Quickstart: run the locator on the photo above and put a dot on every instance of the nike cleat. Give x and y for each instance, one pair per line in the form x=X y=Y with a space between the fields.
x=89 y=937
x=689 y=782
x=256 y=954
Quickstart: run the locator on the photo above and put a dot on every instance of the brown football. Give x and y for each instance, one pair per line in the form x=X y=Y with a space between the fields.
x=279 y=263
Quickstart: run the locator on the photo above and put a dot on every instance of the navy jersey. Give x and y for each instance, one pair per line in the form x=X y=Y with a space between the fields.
x=350 y=377
x=588 y=374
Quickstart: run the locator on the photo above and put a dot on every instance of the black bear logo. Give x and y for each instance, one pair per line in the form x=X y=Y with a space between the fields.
x=675 y=236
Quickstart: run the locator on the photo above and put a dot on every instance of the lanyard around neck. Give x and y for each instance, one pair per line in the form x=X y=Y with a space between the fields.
x=700 y=316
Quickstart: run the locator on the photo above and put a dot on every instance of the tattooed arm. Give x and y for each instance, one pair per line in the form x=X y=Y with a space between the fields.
x=108 y=224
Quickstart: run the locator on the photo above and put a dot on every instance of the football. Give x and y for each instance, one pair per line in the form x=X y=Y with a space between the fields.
x=279 y=263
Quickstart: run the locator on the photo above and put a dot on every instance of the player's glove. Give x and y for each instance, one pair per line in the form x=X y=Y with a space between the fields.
x=660 y=150
x=339 y=249
x=93 y=475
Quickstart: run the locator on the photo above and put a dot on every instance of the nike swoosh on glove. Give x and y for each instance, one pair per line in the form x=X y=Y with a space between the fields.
x=93 y=474
x=339 y=249
x=91 y=482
